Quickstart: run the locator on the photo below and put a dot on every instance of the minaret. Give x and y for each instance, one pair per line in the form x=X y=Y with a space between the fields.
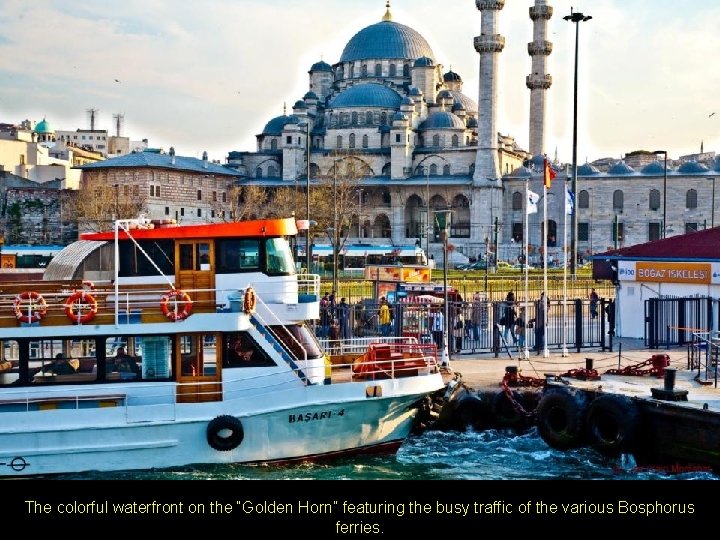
x=489 y=44
x=539 y=81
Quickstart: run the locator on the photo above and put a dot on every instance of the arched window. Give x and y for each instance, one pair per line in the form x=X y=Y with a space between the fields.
x=378 y=70
x=386 y=169
x=433 y=169
x=446 y=170
x=369 y=118
x=352 y=140
x=365 y=141
x=385 y=197
x=455 y=141
x=258 y=172
x=406 y=70
x=691 y=199
x=436 y=140
x=618 y=200
x=383 y=118
x=584 y=199
x=339 y=141
x=654 y=199
x=363 y=70
x=354 y=119
x=393 y=70
x=273 y=144
x=517 y=201
x=552 y=233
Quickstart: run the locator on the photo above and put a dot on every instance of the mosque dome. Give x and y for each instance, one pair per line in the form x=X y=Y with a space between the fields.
x=451 y=76
x=400 y=116
x=415 y=91
x=299 y=104
x=276 y=125
x=472 y=123
x=442 y=120
x=386 y=40
x=587 y=170
x=469 y=105
x=321 y=66
x=407 y=101
x=44 y=127
x=311 y=95
x=424 y=61
x=367 y=95
x=653 y=168
x=692 y=167
x=620 y=167
x=520 y=172
x=444 y=94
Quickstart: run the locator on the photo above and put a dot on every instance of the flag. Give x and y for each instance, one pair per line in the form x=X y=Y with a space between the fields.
x=532 y=200
x=549 y=174
x=569 y=201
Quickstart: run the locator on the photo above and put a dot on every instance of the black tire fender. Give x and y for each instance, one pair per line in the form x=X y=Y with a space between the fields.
x=504 y=413
x=472 y=412
x=561 y=419
x=613 y=423
x=225 y=433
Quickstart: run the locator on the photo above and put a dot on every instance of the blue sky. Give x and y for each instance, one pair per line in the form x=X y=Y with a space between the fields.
x=208 y=74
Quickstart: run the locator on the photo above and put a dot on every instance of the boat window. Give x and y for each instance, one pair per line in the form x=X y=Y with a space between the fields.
x=241 y=350
x=134 y=263
x=278 y=257
x=54 y=361
x=199 y=354
x=138 y=358
x=302 y=337
x=9 y=362
x=237 y=255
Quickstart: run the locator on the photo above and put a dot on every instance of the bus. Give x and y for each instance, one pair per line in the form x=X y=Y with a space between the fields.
x=355 y=257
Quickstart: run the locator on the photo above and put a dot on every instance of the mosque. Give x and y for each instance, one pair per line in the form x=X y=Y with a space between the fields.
x=389 y=111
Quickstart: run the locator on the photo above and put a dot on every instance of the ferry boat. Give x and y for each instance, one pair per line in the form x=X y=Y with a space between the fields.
x=156 y=345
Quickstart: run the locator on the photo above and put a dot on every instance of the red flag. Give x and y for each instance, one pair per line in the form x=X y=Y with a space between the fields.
x=549 y=174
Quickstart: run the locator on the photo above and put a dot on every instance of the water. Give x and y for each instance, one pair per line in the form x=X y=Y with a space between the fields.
x=435 y=455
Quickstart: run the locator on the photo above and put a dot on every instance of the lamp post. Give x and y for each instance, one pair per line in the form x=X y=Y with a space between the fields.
x=712 y=214
x=336 y=233
x=577 y=18
x=443 y=219
x=427 y=200
x=360 y=194
x=307 y=197
x=664 y=226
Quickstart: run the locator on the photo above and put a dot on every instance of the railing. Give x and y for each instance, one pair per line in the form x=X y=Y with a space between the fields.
x=704 y=356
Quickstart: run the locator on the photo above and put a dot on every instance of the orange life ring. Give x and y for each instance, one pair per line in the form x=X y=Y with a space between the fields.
x=249 y=301
x=79 y=302
x=29 y=307
x=176 y=305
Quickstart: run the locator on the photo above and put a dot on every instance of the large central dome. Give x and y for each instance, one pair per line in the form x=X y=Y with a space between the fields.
x=386 y=40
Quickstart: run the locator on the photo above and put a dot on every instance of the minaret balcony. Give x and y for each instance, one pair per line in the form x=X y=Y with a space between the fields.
x=490 y=4
x=489 y=44
x=537 y=48
x=541 y=12
x=538 y=82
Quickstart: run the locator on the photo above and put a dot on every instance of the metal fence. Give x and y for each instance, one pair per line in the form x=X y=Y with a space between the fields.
x=477 y=327
x=672 y=321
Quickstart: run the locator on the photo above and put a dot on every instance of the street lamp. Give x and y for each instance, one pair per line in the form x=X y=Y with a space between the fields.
x=576 y=18
x=427 y=201
x=307 y=200
x=443 y=221
x=664 y=226
x=360 y=193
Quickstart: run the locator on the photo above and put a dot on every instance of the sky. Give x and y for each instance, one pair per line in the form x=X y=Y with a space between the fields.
x=207 y=75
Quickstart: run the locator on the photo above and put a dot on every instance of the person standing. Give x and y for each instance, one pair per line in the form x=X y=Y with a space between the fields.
x=436 y=327
x=384 y=317
x=594 y=298
x=325 y=316
x=343 y=316
x=539 y=322
x=520 y=329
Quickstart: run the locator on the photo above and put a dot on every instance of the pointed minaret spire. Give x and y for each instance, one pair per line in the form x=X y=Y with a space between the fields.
x=388 y=15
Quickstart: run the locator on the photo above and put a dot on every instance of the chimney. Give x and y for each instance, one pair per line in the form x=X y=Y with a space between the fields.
x=205 y=160
x=172 y=155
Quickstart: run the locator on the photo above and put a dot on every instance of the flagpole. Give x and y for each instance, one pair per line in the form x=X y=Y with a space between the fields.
x=546 y=352
x=565 y=214
x=526 y=262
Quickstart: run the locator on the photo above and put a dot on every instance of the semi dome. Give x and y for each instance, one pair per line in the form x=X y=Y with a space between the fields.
x=367 y=95
x=386 y=40
x=442 y=120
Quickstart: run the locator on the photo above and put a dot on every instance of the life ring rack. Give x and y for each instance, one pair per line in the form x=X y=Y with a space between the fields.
x=249 y=301
x=30 y=307
x=176 y=305
x=78 y=302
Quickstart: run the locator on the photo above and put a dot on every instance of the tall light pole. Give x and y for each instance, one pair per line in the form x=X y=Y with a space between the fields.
x=336 y=233
x=664 y=226
x=712 y=215
x=427 y=200
x=444 y=223
x=360 y=193
x=307 y=197
x=577 y=18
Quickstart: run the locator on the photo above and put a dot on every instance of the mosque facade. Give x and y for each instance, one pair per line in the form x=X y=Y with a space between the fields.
x=389 y=109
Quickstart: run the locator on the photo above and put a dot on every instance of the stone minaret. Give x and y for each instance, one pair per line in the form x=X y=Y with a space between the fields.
x=488 y=44
x=539 y=81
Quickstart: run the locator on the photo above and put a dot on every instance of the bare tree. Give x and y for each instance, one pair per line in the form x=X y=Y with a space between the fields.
x=98 y=204
x=243 y=202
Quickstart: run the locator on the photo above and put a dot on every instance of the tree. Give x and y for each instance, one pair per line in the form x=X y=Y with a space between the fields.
x=98 y=204
x=243 y=202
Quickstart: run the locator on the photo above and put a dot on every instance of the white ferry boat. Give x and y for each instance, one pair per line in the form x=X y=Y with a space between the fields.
x=156 y=345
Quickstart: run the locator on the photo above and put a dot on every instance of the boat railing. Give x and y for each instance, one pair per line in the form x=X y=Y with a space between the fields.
x=704 y=356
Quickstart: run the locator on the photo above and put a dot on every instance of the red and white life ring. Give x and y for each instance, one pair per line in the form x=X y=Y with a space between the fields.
x=29 y=307
x=176 y=305
x=249 y=301
x=81 y=307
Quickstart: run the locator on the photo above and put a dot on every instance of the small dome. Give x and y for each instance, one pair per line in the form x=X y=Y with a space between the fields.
x=442 y=120
x=367 y=95
x=275 y=126
x=321 y=66
x=472 y=123
x=451 y=76
x=653 y=168
x=311 y=95
x=521 y=172
x=424 y=61
x=692 y=167
x=587 y=170
x=399 y=116
x=458 y=107
x=44 y=127
x=444 y=94
x=536 y=163
x=415 y=91
x=407 y=101
x=299 y=104
x=620 y=167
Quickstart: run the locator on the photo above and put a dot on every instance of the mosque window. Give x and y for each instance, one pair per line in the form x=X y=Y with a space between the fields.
x=199 y=195
x=397 y=138
x=363 y=70
x=167 y=210
x=271 y=171
x=584 y=199
x=214 y=196
x=691 y=199
x=273 y=144
x=182 y=211
x=339 y=141
x=654 y=199
x=288 y=139
x=365 y=141
x=433 y=169
x=258 y=172
x=653 y=232
x=393 y=70
x=517 y=232
x=446 y=170
x=369 y=118
x=378 y=70
x=618 y=200
x=583 y=232
x=136 y=191
x=383 y=118
x=354 y=120
x=224 y=197
x=199 y=212
x=352 y=140
x=517 y=201
x=455 y=141
x=436 y=140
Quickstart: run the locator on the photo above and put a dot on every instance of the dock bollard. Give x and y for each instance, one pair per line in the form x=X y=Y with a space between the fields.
x=668 y=392
x=588 y=364
x=670 y=379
